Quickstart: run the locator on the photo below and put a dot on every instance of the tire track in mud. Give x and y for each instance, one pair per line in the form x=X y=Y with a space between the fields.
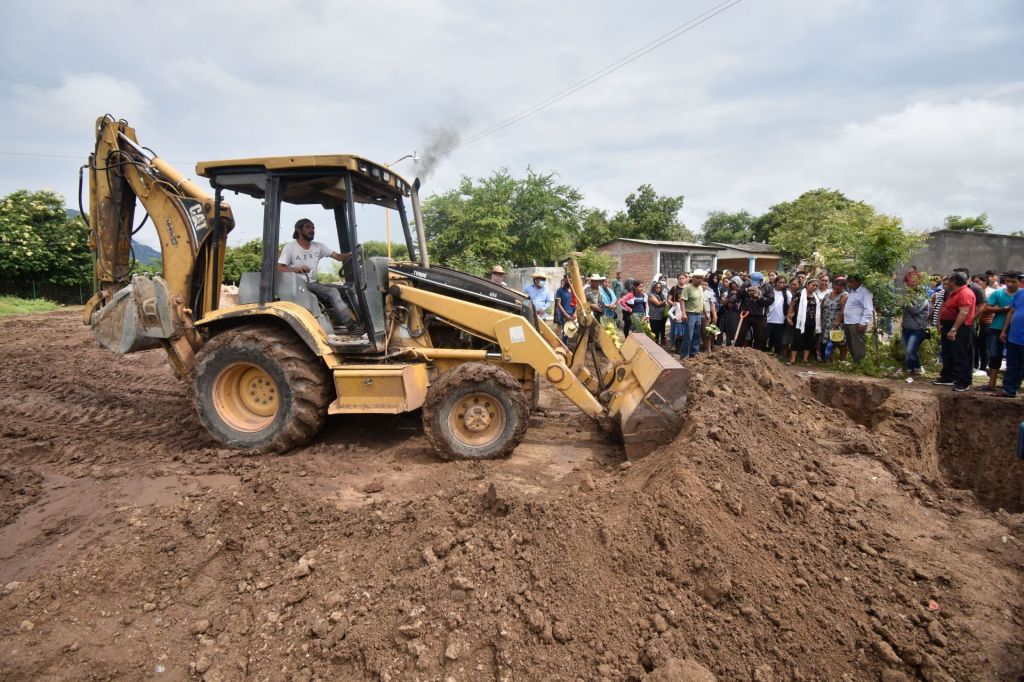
x=60 y=391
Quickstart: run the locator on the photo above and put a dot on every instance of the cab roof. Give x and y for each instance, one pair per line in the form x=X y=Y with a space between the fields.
x=318 y=178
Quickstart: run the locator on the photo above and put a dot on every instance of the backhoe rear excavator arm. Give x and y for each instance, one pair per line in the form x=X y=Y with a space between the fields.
x=129 y=313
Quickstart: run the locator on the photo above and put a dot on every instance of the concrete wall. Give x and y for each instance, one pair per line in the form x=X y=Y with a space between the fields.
x=764 y=265
x=976 y=252
x=518 y=278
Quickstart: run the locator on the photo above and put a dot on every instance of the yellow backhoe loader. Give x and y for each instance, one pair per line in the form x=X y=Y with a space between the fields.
x=265 y=372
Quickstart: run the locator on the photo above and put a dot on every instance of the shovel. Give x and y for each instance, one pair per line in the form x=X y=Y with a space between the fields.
x=743 y=316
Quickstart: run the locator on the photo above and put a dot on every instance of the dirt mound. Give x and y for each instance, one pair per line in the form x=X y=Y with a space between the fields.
x=18 y=489
x=773 y=539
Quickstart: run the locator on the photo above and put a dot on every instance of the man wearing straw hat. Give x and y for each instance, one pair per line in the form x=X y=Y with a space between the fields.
x=540 y=295
x=498 y=275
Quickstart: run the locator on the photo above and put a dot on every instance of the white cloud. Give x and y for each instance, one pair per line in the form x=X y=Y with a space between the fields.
x=913 y=107
x=79 y=98
x=932 y=159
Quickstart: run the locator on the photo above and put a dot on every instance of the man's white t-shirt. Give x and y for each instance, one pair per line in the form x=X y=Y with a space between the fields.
x=709 y=300
x=294 y=256
x=777 y=311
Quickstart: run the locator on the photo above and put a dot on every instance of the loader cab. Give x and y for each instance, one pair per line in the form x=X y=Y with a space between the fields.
x=335 y=184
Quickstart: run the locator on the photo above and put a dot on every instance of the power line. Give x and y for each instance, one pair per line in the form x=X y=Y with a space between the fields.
x=611 y=68
x=598 y=75
x=78 y=157
x=40 y=156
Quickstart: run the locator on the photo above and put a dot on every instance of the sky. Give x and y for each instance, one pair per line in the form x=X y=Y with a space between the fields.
x=914 y=107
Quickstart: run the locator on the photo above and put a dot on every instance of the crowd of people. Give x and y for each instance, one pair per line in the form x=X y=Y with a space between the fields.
x=813 y=317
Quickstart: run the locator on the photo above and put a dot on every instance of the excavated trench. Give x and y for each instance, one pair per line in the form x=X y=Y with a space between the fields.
x=968 y=441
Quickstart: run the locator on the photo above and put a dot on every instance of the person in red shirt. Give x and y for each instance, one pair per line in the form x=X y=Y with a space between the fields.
x=956 y=325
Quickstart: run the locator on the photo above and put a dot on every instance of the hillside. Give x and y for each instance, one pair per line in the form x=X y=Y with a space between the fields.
x=143 y=254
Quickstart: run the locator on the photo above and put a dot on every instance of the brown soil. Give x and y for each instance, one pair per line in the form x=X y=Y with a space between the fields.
x=775 y=539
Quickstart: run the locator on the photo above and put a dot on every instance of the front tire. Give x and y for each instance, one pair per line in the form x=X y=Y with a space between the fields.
x=260 y=389
x=475 y=411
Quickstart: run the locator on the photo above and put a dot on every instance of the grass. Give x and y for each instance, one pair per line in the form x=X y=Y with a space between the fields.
x=12 y=305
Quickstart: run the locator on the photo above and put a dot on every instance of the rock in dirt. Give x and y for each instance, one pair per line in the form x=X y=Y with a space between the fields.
x=890 y=675
x=301 y=569
x=333 y=600
x=27 y=626
x=885 y=652
x=587 y=483
x=295 y=595
x=536 y=619
x=201 y=664
x=462 y=583
x=680 y=670
x=560 y=631
x=935 y=634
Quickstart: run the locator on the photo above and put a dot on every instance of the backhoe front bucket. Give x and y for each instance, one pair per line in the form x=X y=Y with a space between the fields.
x=648 y=396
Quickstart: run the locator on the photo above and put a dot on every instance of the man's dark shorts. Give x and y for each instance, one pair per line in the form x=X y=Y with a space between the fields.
x=995 y=348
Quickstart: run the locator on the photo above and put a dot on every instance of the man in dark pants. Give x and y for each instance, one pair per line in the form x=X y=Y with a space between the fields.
x=754 y=316
x=1013 y=336
x=956 y=325
x=979 y=300
x=777 y=316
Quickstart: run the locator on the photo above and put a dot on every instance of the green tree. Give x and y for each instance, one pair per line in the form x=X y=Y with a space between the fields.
x=592 y=261
x=728 y=228
x=649 y=215
x=374 y=248
x=1017 y=233
x=595 y=231
x=533 y=220
x=823 y=222
x=881 y=247
x=39 y=242
x=977 y=223
x=247 y=257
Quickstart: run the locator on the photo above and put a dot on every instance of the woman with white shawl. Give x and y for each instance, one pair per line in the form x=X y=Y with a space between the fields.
x=805 y=315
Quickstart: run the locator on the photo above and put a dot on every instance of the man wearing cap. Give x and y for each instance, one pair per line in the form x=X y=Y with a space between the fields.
x=540 y=295
x=303 y=256
x=498 y=276
x=691 y=298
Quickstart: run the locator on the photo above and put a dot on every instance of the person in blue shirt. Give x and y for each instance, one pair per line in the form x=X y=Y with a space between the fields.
x=565 y=311
x=998 y=302
x=1013 y=336
x=540 y=295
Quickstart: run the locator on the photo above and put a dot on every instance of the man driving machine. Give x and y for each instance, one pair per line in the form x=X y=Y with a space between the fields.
x=303 y=256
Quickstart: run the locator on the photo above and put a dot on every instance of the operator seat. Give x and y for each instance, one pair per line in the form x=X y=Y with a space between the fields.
x=288 y=286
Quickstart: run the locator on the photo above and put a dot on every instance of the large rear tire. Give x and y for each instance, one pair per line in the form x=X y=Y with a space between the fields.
x=260 y=388
x=475 y=411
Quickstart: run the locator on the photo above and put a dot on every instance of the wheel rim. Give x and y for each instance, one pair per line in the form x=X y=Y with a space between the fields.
x=246 y=397
x=477 y=419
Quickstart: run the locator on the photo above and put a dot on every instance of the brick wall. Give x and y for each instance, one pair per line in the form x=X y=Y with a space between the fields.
x=634 y=261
